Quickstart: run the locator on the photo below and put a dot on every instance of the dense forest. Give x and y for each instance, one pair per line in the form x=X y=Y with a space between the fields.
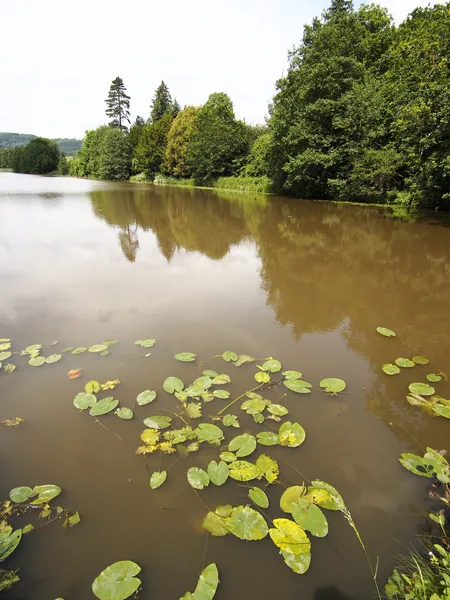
x=362 y=114
x=11 y=145
x=68 y=146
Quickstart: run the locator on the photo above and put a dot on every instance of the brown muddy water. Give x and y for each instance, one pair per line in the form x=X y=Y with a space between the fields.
x=305 y=282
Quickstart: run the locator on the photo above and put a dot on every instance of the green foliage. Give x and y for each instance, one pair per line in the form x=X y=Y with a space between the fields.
x=161 y=104
x=40 y=156
x=6 y=158
x=67 y=146
x=261 y=184
x=105 y=154
x=258 y=158
x=178 y=140
x=118 y=105
x=63 y=165
x=150 y=153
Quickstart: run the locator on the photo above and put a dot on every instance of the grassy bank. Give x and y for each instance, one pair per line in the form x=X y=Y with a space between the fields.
x=260 y=185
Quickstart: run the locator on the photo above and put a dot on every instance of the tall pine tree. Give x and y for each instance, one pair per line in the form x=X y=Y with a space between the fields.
x=118 y=105
x=161 y=104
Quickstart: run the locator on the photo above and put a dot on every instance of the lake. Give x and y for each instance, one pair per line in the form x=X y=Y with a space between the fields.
x=304 y=282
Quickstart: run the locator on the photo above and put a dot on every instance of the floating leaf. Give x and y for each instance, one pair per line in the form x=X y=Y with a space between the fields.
x=442 y=411
x=206 y=586
x=241 y=470
x=198 y=478
x=272 y=366
x=146 y=397
x=386 y=332
x=33 y=348
x=204 y=382
x=83 y=401
x=38 y=361
x=247 y=524
x=53 y=358
x=268 y=468
x=228 y=457
x=215 y=524
x=74 y=519
x=5 y=346
x=224 y=510
x=147 y=343
x=64 y=350
x=231 y=421
x=258 y=418
x=150 y=436
x=5 y=356
x=390 y=369
x=45 y=493
x=253 y=406
x=299 y=563
x=207 y=432
x=194 y=410
x=92 y=387
x=79 y=350
x=157 y=479
x=242 y=445
x=74 y=373
x=30 y=527
x=243 y=359
x=110 y=342
x=229 y=356
x=173 y=384
x=124 y=413
x=309 y=517
x=277 y=409
x=336 y=503
x=290 y=537
x=259 y=497
x=420 y=360
x=297 y=385
x=290 y=495
x=267 y=438
x=423 y=389
x=118 y=581
x=21 y=494
x=102 y=407
x=9 y=368
x=221 y=379
x=210 y=373
x=404 y=362
x=11 y=422
x=291 y=434
x=333 y=385
x=262 y=377
x=185 y=356
x=105 y=353
x=98 y=348
x=292 y=374
x=218 y=472
x=158 y=422
x=433 y=378
x=110 y=385
x=425 y=467
x=222 y=394
x=9 y=540
x=208 y=397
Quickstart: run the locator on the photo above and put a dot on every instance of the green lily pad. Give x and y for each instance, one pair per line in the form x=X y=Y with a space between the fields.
x=209 y=433
x=157 y=479
x=158 y=422
x=267 y=438
x=259 y=497
x=258 y=418
x=215 y=524
x=229 y=356
x=193 y=392
x=404 y=362
x=297 y=385
x=37 y=361
x=45 y=493
x=423 y=389
x=290 y=495
x=390 y=369
x=420 y=360
x=173 y=384
x=227 y=457
x=386 y=332
x=102 y=407
x=242 y=470
x=292 y=374
x=185 y=356
x=333 y=385
x=272 y=366
x=230 y=421
x=441 y=410
x=83 y=401
x=197 y=478
x=118 y=581
x=92 y=387
x=242 y=445
x=53 y=358
x=425 y=467
x=218 y=472
x=146 y=397
x=206 y=586
x=124 y=413
x=147 y=343
x=5 y=355
x=110 y=342
x=299 y=563
x=277 y=409
x=336 y=502
x=243 y=359
x=33 y=348
x=97 y=348
x=9 y=540
x=247 y=524
x=291 y=434
x=9 y=368
x=262 y=377
x=194 y=410
x=267 y=467
x=434 y=378
x=290 y=537
x=21 y=494
x=210 y=373
x=309 y=517
x=79 y=350
x=105 y=353
x=5 y=346
x=221 y=379
x=204 y=382
x=222 y=394
x=253 y=406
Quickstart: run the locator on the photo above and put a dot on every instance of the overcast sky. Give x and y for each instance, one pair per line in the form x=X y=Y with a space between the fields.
x=58 y=57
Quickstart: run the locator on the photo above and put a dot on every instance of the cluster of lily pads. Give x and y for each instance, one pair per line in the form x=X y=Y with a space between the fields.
x=419 y=391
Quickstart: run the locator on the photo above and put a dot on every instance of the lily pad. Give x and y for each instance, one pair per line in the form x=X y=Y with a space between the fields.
x=277 y=409
x=98 y=348
x=221 y=379
x=309 y=517
x=333 y=385
x=230 y=421
x=290 y=495
x=110 y=342
x=147 y=343
x=7 y=345
x=215 y=524
x=390 y=369
x=242 y=445
x=124 y=413
x=300 y=386
x=242 y=470
x=434 y=378
x=291 y=434
x=194 y=410
x=267 y=467
x=9 y=368
x=425 y=467
x=21 y=494
x=206 y=586
x=193 y=391
x=420 y=360
x=290 y=537
x=45 y=493
x=247 y=524
x=33 y=348
x=253 y=406
x=228 y=457
x=118 y=581
x=299 y=563
x=222 y=394
x=204 y=382
x=259 y=497
x=267 y=438
x=404 y=363
x=173 y=384
x=5 y=355
x=37 y=361
x=79 y=350
x=318 y=486
x=229 y=356
x=243 y=359
x=292 y=374
x=102 y=407
x=185 y=356
x=53 y=358
x=146 y=397
x=105 y=353
x=386 y=332
x=210 y=373
x=9 y=540
x=262 y=377
x=421 y=388
x=209 y=433
x=92 y=387
x=157 y=479
x=272 y=366
x=218 y=472
x=158 y=422
x=197 y=478
x=441 y=410
x=83 y=401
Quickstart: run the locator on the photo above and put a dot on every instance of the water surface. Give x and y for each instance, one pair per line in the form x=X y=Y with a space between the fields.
x=305 y=282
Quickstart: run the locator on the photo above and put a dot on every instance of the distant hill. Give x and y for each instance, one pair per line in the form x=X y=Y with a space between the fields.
x=69 y=147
